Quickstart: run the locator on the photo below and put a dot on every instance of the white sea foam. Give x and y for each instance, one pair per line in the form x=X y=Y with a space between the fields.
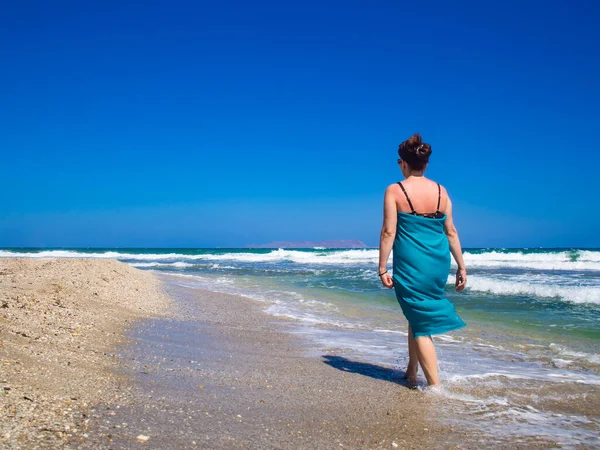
x=356 y=257
x=385 y=331
x=584 y=260
x=553 y=260
x=589 y=255
x=482 y=376
x=178 y=264
x=448 y=338
x=308 y=317
x=152 y=264
x=535 y=288
x=573 y=356
x=508 y=416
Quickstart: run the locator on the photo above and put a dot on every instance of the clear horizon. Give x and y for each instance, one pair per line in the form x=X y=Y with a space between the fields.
x=197 y=125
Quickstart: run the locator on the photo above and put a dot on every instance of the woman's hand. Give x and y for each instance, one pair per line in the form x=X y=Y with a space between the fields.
x=387 y=281
x=461 y=279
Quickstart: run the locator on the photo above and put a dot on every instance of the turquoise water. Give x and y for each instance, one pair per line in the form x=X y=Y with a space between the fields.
x=528 y=361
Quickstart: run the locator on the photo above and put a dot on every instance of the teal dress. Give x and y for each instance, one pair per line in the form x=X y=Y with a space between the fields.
x=421 y=267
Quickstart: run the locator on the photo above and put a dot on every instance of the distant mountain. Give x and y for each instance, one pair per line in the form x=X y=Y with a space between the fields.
x=348 y=243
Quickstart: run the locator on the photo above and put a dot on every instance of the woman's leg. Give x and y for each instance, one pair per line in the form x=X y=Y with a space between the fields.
x=428 y=359
x=413 y=357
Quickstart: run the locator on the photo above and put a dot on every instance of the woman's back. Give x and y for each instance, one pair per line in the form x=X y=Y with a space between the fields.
x=422 y=194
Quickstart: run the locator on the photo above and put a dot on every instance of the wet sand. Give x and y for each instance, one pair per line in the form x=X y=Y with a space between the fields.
x=221 y=373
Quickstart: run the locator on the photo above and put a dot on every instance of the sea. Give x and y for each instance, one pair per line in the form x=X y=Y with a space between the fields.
x=527 y=366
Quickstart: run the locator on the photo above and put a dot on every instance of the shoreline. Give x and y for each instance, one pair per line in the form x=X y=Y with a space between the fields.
x=226 y=374
x=82 y=342
x=181 y=366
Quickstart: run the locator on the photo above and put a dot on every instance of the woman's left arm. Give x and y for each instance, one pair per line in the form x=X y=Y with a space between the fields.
x=388 y=233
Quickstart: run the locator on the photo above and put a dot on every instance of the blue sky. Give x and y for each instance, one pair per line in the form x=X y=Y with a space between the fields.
x=230 y=123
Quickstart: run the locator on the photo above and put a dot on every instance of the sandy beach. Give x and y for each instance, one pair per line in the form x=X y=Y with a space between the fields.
x=98 y=354
x=60 y=322
x=214 y=371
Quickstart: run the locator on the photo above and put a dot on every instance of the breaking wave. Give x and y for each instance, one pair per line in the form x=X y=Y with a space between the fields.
x=569 y=260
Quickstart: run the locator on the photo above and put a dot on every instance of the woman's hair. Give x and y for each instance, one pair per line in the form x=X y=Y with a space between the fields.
x=415 y=152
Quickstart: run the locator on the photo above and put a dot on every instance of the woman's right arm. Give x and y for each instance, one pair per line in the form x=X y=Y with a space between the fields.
x=455 y=248
x=388 y=234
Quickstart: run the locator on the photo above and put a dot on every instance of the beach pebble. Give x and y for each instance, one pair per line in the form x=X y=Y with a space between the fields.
x=143 y=438
x=394 y=445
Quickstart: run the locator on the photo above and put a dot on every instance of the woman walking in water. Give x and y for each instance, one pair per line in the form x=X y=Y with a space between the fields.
x=417 y=223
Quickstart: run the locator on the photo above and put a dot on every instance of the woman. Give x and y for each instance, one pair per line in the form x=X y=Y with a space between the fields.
x=417 y=222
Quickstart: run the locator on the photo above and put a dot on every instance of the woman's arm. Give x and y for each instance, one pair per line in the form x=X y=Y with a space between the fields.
x=455 y=248
x=388 y=233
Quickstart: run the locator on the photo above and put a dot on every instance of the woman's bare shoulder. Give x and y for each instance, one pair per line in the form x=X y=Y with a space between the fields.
x=392 y=188
x=444 y=199
x=442 y=188
x=443 y=191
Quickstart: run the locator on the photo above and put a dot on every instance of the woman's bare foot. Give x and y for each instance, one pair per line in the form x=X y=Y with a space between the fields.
x=410 y=373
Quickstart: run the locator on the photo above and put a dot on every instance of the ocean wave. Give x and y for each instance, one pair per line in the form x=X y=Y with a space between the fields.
x=301 y=257
x=180 y=265
x=551 y=260
x=575 y=260
x=573 y=294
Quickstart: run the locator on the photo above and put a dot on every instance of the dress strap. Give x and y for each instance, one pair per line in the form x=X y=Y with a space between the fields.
x=439 y=197
x=409 y=202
